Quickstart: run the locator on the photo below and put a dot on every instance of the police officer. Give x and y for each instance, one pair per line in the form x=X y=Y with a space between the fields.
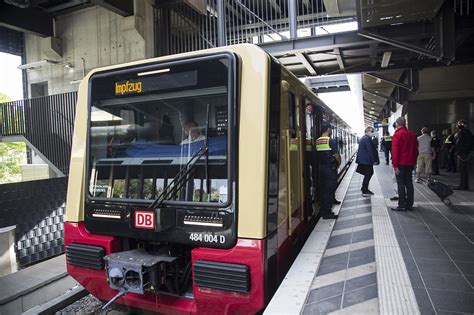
x=387 y=146
x=463 y=148
x=329 y=160
x=449 y=144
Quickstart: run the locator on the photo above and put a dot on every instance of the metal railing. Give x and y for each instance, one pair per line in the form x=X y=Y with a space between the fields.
x=186 y=25
x=463 y=7
x=46 y=122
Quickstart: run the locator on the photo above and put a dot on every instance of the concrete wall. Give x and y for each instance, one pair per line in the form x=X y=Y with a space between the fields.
x=99 y=36
x=445 y=95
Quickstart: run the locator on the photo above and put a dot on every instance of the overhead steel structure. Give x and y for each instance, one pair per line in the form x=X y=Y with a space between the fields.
x=390 y=42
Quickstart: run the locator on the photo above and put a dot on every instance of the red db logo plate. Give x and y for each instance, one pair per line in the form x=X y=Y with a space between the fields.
x=144 y=220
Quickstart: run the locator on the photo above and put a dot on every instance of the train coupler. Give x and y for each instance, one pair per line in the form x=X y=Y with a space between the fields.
x=137 y=270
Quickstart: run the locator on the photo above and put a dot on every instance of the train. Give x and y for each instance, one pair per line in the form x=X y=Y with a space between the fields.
x=193 y=180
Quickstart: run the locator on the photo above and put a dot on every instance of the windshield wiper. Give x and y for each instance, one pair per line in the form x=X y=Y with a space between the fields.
x=182 y=177
x=179 y=180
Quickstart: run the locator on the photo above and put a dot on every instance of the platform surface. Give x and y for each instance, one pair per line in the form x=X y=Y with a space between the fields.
x=437 y=244
x=378 y=261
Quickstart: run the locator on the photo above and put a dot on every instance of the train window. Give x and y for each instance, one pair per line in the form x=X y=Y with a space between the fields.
x=292 y=118
x=163 y=128
x=309 y=120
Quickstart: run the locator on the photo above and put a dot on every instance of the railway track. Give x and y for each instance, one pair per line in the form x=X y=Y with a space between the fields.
x=75 y=301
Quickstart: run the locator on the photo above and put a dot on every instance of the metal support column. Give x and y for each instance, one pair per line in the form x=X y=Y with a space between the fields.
x=221 y=35
x=163 y=30
x=292 y=13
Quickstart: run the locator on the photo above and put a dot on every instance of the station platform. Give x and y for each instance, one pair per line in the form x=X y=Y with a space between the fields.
x=35 y=285
x=372 y=260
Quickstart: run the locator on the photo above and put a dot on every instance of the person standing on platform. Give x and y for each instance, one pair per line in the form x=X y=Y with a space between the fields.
x=394 y=177
x=404 y=154
x=444 y=151
x=463 y=147
x=436 y=145
x=426 y=154
x=449 y=144
x=329 y=160
x=387 y=146
x=367 y=156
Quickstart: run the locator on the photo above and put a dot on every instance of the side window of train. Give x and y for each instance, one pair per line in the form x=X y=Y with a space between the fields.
x=292 y=124
x=309 y=119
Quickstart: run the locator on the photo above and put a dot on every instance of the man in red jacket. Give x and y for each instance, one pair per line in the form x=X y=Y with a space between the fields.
x=404 y=154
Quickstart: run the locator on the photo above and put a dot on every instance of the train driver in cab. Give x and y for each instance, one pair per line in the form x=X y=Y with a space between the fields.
x=191 y=132
x=329 y=160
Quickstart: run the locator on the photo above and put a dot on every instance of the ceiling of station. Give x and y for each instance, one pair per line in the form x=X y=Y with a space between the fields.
x=391 y=52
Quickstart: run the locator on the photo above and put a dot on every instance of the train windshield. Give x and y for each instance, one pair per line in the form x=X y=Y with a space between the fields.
x=162 y=127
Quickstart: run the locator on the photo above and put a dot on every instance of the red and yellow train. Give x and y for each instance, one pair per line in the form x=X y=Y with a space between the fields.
x=193 y=180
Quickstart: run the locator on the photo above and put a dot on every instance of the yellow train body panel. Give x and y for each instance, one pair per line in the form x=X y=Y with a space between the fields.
x=252 y=138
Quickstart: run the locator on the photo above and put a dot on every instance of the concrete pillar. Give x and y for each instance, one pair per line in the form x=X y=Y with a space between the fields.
x=8 y=263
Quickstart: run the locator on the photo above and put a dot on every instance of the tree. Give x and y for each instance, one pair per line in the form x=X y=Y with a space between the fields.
x=12 y=155
x=4 y=98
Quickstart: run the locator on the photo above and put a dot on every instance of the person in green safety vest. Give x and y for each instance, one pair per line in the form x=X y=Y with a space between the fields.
x=329 y=160
x=387 y=146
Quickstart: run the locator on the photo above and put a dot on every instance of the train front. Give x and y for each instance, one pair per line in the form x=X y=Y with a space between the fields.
x=154 y=221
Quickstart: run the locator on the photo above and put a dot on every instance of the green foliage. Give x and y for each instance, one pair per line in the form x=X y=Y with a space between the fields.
x=12 y=155
x=4 y=98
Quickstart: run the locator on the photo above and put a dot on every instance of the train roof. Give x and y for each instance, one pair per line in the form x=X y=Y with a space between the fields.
x=231 y=48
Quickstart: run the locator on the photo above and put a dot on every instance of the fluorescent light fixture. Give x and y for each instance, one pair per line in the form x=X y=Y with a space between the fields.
x=140 y=74
x=37 y=64
x=371 y=112
x=372 y=108
x=386 y=59
x=375 y=102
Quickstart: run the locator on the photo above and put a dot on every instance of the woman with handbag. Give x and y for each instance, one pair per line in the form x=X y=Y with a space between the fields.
x=367 y=157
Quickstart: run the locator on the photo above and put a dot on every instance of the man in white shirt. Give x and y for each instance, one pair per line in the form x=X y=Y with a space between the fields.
x=426 y=154
x=192 y=133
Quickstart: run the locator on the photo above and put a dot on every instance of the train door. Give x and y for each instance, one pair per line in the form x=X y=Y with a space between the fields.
x=293 y=162
x=310 y=162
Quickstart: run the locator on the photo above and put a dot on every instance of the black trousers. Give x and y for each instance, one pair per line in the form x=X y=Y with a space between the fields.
x=435 y=165
x=328 y=188
x=451 y=161
x=387 y=151
x=463 y=174
x=406 y=193
x=368 y=172
x=444 y=157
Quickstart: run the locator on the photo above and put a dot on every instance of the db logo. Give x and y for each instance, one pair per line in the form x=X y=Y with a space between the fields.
x=144 y=219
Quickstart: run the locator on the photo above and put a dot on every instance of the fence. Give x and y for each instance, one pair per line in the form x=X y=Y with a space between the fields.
x=46 y=122
x=37 y=210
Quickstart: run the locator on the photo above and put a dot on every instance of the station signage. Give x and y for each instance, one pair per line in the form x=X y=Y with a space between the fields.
x=128 y=87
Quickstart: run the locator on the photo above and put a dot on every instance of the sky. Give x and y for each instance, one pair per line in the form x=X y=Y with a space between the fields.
x=348 y=105
x=10 y=76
